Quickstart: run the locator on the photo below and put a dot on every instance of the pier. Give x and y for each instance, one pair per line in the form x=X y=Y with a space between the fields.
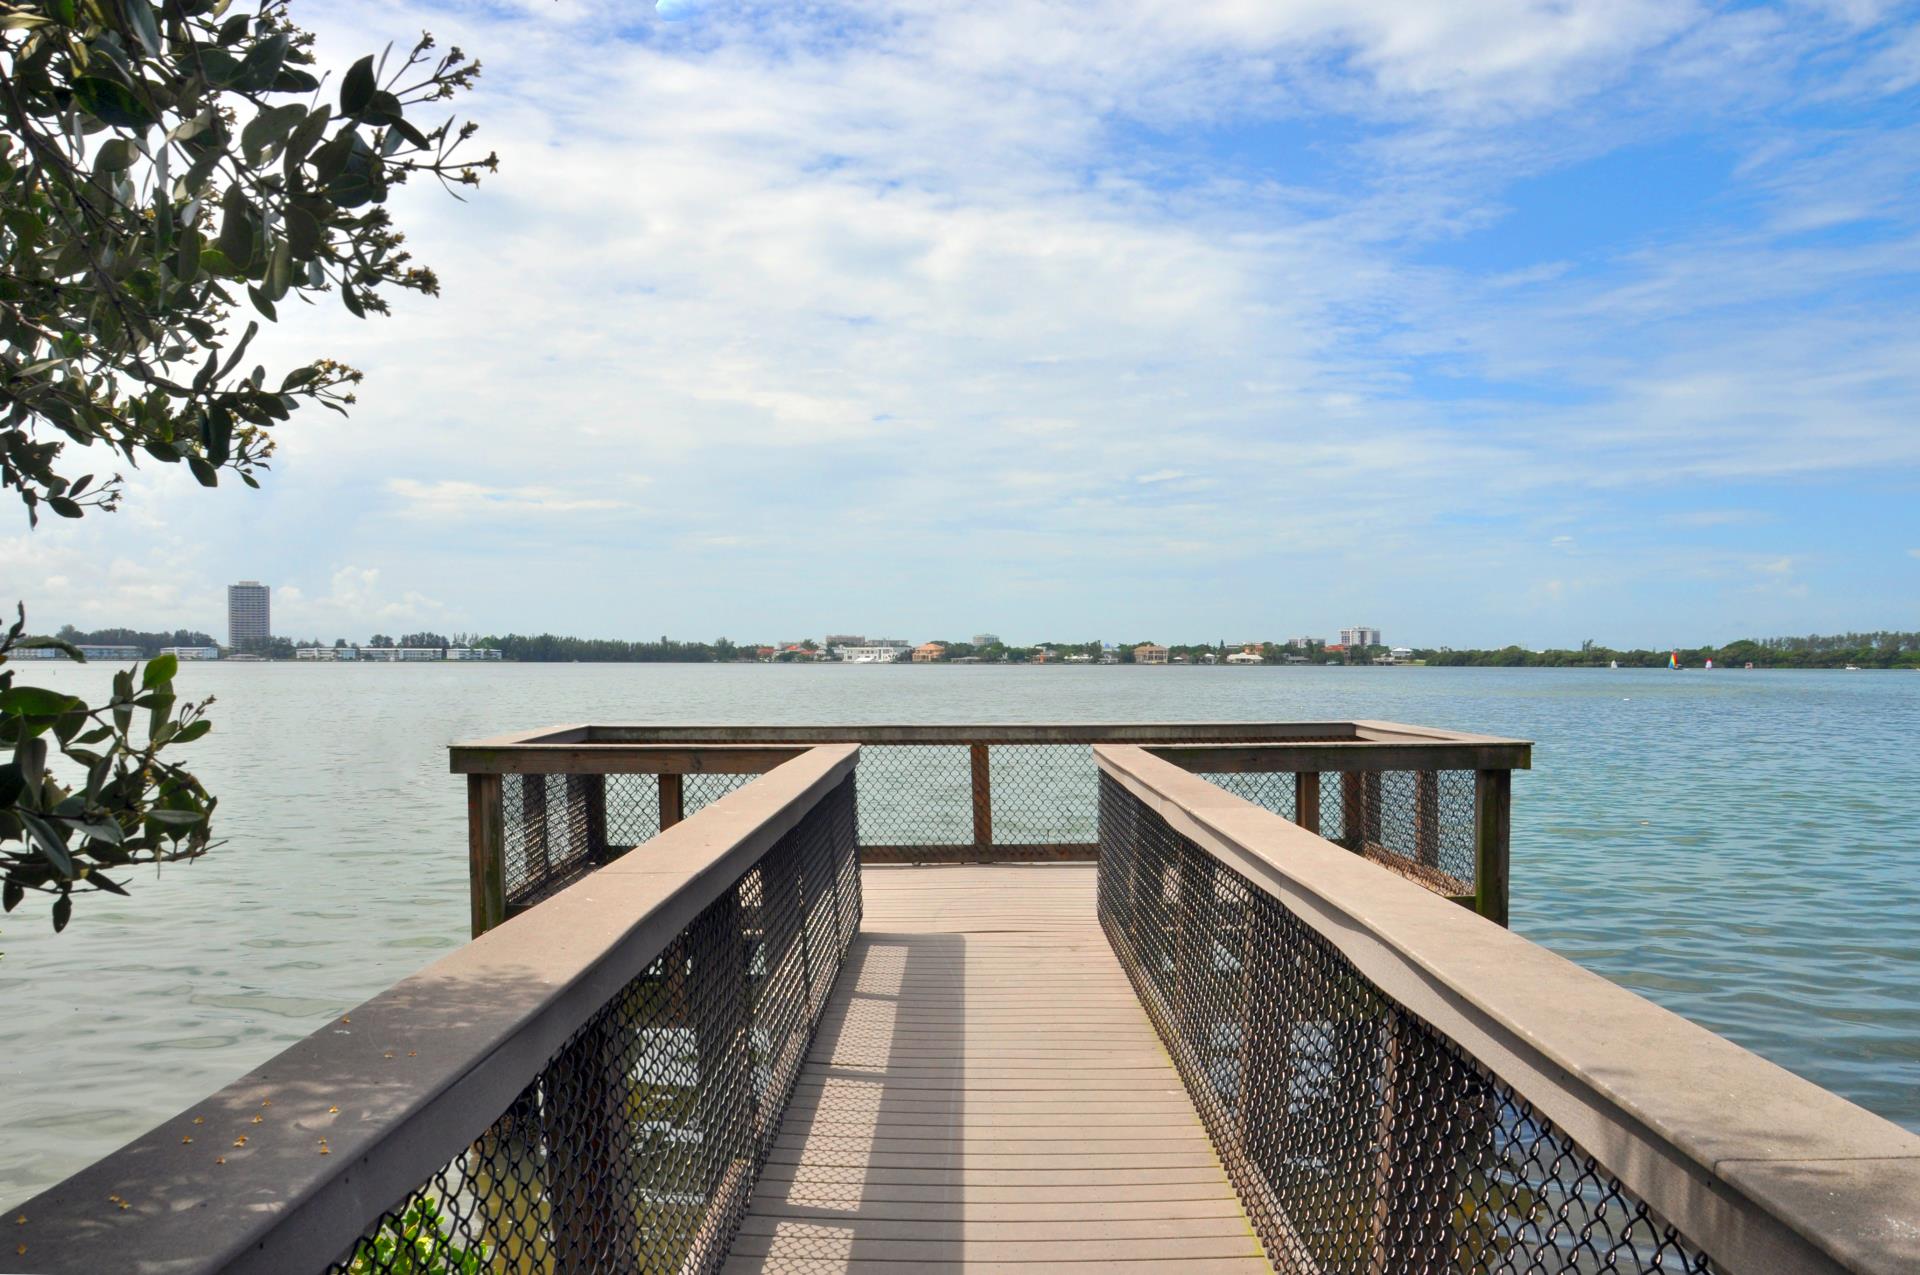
x=1190 y=997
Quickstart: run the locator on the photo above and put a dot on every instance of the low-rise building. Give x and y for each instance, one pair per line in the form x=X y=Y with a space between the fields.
x=1359 y=635
x=1402 y=652
x=473 y=653
x=1109 y=656
x=929 y=652
x=1246 y=657
x=112 y=652
x=1148 y=653
x=872 y=653
x=986 y=639
x=191 y=652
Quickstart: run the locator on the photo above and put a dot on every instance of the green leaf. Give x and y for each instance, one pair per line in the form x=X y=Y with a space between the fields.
x=62 y=912
x=111 y=102
x=140 y=14
x=236 y=228
x=115 y=155
x=193 y=731
x=71 y=651
x=176 y=818
x=205 y=473
x=261 y=65
x=35 y=701
x=357 y=89
x=186 y=260
x=279 y=270
x=308 y=135
x=100 y=882
x=48 y=842
x=303 y=233
x=216 y=434
x=64 y=507
x=11 y=895
x=160 y=671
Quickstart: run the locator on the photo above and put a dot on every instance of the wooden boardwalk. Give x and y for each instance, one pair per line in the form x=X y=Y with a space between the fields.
x=985 y=1093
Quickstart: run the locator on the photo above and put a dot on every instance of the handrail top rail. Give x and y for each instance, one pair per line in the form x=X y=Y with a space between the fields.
x=472 y=756
x=1766 y=1170
x=486 y=758
x=420 y=1067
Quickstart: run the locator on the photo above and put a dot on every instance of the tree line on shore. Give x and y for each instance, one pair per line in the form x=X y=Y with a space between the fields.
x=1862 y=650
x=1886 y=649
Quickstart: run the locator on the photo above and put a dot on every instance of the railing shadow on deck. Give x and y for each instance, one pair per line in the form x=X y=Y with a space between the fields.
x=834 y=1171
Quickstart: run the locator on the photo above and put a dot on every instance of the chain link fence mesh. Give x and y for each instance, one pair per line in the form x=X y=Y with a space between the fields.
x=1043 y=801
x=636 y=1147
x=1359 y=1138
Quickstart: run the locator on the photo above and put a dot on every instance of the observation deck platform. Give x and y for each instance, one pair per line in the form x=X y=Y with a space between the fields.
x=985 y=1093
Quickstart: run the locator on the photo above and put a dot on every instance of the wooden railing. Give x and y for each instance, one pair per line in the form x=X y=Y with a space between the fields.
x=1394 y=1085
x=1432 y=805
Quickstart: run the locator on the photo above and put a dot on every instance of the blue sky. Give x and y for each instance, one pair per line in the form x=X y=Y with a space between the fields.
x=1480 y=322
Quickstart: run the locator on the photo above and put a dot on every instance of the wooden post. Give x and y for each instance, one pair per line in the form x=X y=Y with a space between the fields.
x=1306 y=800
x=673 y=800
x=1353 y=814
x=1492 y=826
x=486 y=853
x=1370 y=809
x=1426 y=817
x=982 y=803
x=533 y=825
x=587 y=799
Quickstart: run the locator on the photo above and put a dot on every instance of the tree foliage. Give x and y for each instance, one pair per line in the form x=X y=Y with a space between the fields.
x=171 y=174
x=123 y=805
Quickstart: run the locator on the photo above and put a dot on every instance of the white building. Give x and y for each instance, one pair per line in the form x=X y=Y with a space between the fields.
x=873 y=654
x=1245 y=657
x=191 y=652
x=1360 y=635
x=1402 y=652
x=473 y=652
x=986 y=639
x=112 y=652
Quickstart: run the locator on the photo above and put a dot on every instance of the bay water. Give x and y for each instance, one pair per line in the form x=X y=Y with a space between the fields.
x=1742 y=847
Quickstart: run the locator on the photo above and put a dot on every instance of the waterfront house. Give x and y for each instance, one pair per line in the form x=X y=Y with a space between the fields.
x=929 y=652
x=1149 y=653
x=1246 y=657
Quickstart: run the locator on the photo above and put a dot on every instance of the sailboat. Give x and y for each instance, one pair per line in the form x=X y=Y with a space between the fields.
x=1613 y=663
x=1673 y=661
x=1709 y=664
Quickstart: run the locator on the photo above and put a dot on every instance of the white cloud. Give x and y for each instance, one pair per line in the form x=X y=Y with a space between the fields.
x=1003 y=276
x=447 y=500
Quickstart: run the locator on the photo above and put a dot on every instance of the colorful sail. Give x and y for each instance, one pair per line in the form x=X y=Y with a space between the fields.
x=1673 y=661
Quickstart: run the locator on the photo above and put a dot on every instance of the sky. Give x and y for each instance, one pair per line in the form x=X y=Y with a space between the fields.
x=1481 y=322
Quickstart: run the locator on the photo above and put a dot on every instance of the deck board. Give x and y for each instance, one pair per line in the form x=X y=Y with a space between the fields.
x=985 y=1094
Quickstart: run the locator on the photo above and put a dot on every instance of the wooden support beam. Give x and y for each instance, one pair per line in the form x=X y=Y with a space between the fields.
x=486 y=853
x=1306 y=800
x=673 y=800
x=982 y=800
x=1493 y=824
